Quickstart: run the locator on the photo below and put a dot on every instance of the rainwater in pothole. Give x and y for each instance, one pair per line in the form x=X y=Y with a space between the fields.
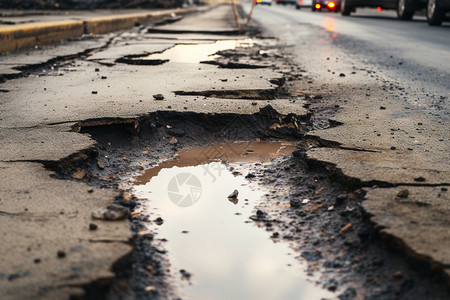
x=214 y=250
x=196 y=53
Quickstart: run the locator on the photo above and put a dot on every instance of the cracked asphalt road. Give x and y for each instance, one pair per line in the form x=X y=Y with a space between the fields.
x=379 y=111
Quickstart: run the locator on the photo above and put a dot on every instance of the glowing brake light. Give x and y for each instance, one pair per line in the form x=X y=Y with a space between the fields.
x=318 y=6
x=331 y=5
x=379 y=8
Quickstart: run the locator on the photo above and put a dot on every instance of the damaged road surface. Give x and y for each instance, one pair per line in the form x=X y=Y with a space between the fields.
x=187 y=160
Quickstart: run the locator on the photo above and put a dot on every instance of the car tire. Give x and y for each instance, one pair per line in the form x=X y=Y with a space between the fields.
x=345 y=9
x=405 y=10
x=435 y=15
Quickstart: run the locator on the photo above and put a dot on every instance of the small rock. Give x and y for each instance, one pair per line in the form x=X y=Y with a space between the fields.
x=305 y=201
x=104 y=77
x=185 y=274
x=275 y=235
x=37 y=260
x=397 y=275
x=254 y=103
x=224 y=80
x=342 y=75
x=61 y=254
x=260 y=213
x=419 y=179
x=173 y=141
x=93 y=226
x=112 y=212
x=158 y=97
x=346 y=228
x=234 y=194
x=233 y=200
x=403 y=193
x=97 y=70
x=331 y=285
x=94 y=92
x=393 y=147
x=159 y=221
x=382 y=107
x=250 y=175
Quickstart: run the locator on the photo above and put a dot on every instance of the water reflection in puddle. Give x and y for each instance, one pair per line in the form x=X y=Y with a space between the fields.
x=209 y=236
x=195 y=53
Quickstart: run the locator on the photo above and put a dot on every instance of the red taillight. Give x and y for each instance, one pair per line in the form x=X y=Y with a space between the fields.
x=318 y=6
x=331 y=5
x=379 y=8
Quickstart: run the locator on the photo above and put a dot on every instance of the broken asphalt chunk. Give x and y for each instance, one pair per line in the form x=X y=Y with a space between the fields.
x=233 y=195
x=158 y=97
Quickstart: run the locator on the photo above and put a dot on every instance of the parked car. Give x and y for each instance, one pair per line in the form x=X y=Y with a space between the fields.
x=264 y=2
x=284 y=2
x=331 y=5
x=436 y=10
x=405 y=8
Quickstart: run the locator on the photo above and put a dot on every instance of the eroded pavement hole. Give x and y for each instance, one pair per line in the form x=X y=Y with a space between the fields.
x=187 y=53
x=195 y=185
x=203 y=207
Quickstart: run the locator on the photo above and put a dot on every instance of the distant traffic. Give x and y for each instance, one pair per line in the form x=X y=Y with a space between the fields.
x=436 y=11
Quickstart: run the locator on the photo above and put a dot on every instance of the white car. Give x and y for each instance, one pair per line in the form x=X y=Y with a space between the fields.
x=266 y=2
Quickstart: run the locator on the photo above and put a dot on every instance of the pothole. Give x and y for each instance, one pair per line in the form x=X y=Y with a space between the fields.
x=309 y=210
x=203 y=214
x=188 y=53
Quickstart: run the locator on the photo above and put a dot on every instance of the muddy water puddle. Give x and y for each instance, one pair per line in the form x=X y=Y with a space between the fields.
x=196 y=53
x=214 y=251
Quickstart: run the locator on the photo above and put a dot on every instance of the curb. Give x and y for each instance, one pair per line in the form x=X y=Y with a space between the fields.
x=25 y=36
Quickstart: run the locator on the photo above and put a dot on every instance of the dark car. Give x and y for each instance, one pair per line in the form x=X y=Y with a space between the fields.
x=284 y=2
x=405 y=8
x=331 y=5
x=436 y=10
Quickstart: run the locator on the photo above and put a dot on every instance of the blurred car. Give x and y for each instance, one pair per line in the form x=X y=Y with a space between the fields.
x=405 y=8
x=264 y=2
x=331 y=5
x=436 y=10
x=298 y=4
x=284 y=2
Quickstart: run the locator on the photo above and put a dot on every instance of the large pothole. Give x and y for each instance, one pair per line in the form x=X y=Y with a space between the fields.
x=311 y=212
